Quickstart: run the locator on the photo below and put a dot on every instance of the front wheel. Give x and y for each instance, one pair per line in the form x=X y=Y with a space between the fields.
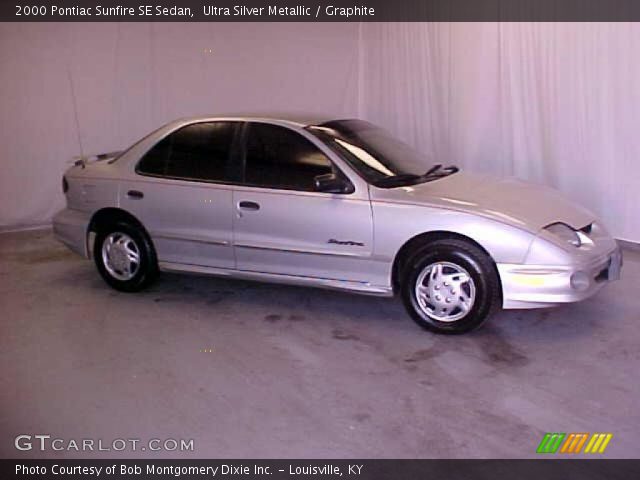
x=125 y=257
x=450 y=286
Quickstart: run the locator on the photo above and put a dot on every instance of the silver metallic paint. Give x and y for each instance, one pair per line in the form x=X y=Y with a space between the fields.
x=198 y=227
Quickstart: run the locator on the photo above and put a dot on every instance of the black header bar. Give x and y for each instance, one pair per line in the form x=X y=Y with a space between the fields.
x=319 y=10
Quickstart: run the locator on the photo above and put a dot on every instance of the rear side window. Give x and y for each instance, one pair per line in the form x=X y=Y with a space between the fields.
x=277 y=157
x=196 y=152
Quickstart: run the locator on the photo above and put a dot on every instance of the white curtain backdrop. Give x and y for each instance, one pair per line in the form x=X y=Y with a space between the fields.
x=67 y=88
x=552 y=103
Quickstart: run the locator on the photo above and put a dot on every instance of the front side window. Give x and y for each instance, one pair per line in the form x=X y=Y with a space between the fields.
x=277 y=157
x=199 y=151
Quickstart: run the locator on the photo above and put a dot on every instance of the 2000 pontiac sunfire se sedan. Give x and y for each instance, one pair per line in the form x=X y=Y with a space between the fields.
x=338 y=204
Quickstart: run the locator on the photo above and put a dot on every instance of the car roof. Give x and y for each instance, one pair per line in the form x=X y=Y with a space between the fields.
x=298 y=120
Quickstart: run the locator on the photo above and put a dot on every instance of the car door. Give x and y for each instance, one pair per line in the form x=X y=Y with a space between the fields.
x=180 y=193
x=282 y=225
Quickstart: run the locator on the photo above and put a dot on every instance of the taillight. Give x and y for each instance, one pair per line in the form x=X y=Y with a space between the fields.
x=65 y=185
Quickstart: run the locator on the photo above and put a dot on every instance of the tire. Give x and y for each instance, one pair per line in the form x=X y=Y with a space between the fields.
x=436 y=293
x=127 y=242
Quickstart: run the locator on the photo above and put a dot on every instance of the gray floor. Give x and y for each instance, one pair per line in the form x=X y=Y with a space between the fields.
x=299 y=372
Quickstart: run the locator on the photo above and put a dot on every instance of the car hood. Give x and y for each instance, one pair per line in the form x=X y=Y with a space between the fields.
x=507 y=200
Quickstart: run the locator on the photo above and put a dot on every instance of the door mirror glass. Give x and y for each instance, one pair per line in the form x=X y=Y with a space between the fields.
x=332 y=183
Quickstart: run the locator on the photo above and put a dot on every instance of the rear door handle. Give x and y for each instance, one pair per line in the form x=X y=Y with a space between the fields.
x=135 y=194
x=245 y=205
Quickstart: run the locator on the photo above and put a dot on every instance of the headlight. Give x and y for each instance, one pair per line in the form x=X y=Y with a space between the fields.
x=599 y=229
x=565 y=233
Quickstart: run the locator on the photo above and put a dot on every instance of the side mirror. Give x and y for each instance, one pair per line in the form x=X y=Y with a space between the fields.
x=332 y=183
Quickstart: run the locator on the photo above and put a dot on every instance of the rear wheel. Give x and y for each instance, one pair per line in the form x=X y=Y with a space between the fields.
x=450 y=286
x=125 y=257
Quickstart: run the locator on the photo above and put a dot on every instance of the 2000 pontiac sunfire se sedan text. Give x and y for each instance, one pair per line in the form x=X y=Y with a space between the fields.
x=338 y=204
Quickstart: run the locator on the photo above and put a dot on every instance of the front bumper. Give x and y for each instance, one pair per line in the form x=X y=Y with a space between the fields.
x=70 y=227
x=536 y=286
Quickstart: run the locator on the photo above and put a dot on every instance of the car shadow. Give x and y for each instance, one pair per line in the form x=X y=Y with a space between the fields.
x=277 y=301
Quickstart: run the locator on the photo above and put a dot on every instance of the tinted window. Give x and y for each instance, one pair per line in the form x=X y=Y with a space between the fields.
x=277 y=157
x=372 y=151
x=196 y=152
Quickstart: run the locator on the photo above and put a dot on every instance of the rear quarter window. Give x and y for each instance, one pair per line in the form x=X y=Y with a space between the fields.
x=200 y=152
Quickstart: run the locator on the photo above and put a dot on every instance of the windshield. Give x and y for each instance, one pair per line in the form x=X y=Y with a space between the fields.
x=380 y=158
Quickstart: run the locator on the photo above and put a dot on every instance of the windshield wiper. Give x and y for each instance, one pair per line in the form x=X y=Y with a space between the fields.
x=408 y=178
x=437 y=171
x=433 y=169
x=397 y=180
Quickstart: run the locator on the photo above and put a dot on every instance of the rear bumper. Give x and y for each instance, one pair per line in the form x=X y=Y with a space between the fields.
x=536 y=286
x=70 y=227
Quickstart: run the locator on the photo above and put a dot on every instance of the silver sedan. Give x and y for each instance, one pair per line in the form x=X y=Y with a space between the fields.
x=339 y=204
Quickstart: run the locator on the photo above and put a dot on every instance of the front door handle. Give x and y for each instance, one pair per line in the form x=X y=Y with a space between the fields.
x=135 y=194
x=245 y=205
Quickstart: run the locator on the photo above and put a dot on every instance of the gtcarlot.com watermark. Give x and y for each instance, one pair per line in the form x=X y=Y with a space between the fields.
x=44 y=443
